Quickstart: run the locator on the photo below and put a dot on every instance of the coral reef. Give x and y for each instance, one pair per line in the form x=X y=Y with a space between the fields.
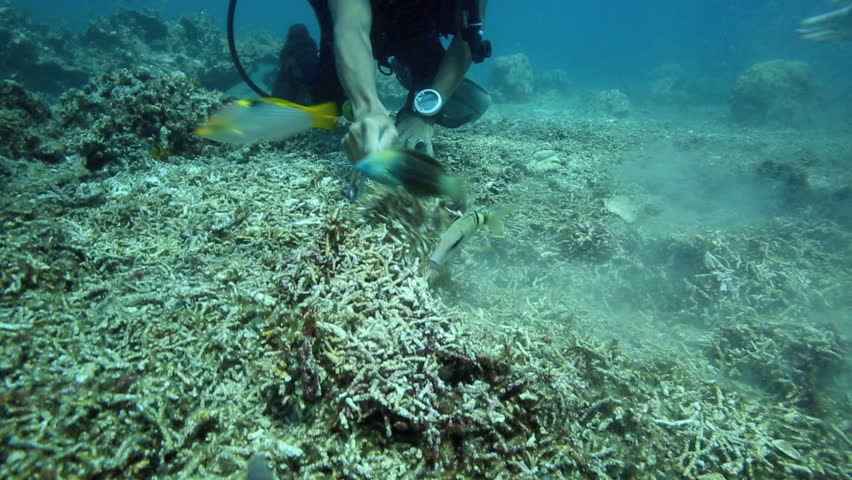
x=44 y=60
x=214 y=316
x=198 y=48
x=512 y=79
x=36 y=56
x=24 y=121
x=775 y=91
x=129 y=115
x=796 y=363
x=613 y=102
x=555 y=81
x=133 y=114
x=670 y=84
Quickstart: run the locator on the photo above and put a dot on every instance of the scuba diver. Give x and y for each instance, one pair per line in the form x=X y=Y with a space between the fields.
x=355 y=33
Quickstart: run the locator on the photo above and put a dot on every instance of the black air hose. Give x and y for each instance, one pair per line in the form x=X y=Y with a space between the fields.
x=232 y=45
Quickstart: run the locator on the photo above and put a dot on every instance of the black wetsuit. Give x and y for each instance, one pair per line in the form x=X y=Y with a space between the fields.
x=408 y=30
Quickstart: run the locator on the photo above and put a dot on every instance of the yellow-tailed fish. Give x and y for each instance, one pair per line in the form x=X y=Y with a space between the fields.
x=460 y=232
x=415 y=172
x=248 y=121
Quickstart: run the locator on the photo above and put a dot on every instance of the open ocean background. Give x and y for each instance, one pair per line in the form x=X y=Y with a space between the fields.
x=605 y=44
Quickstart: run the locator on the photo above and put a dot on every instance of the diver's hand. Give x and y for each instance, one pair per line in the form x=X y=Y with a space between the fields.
x=834 y=26
x=370 y=133
x=415 y=132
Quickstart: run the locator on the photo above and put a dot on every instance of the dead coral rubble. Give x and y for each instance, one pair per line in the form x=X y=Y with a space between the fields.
x=126 y=115
x=405 y=390
x=132 y=114
x=717 y=278
x=793 y=362
x=382 y=361
x=130 y=317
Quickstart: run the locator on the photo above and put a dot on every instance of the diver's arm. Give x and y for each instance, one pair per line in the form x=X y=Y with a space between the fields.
x=354 y=54
x=415 y=131
x=372 y=129
x=454 y=65
x=834 y=26
x=457 y=59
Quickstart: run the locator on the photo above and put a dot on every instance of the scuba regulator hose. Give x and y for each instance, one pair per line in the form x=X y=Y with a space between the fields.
x=232 y=45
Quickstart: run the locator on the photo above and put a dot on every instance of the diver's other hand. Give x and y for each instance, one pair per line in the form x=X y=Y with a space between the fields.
x=834 y=26
x=415 y=132
x=371 y=133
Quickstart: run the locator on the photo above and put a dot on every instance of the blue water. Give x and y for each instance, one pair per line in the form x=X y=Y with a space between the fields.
x=606 y=44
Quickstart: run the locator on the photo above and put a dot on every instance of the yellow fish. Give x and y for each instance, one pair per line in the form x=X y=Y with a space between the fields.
x=248 y=121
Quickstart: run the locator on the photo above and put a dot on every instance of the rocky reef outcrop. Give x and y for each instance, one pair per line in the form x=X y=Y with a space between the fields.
x=23 y=122
x=127 y=115
x=51 y=61
x=553 y=81
x=37 y=56
x=512 y=79
x=670 y=84
x=777 y=91
x=613 y=102
x=133 y=113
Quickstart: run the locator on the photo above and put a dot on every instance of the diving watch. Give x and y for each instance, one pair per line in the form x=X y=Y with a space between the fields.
x=428 y=102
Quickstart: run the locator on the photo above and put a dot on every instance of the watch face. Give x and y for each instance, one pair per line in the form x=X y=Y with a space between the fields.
x=427 y=102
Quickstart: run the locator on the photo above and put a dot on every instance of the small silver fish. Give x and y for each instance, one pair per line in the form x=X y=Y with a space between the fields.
x=460 y=232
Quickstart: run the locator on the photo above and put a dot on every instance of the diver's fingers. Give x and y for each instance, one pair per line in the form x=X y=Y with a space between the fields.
x=359 y=141
x=819 y=35
x=353 y=143
x=415 y=143
x=827 y=17
x=819 y=19
x=349 y=148
x=387 y=137
x=807 y=32
x=423 y=145
x=371 y=138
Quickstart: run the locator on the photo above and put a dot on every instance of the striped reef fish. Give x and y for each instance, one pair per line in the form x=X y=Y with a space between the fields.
x=415 y=172
x=460 y=232
x=272 y=119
